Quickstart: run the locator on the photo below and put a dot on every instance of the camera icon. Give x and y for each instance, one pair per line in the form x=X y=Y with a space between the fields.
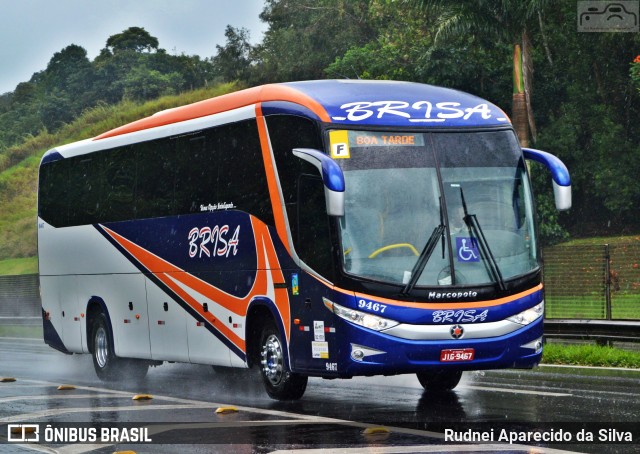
x=598 y=16
x=21 y=433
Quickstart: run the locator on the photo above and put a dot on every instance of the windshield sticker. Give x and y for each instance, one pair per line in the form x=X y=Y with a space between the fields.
x=384 y=139
x=318 y=330
x=339 y=144
x=320 y=350
x=467 y=249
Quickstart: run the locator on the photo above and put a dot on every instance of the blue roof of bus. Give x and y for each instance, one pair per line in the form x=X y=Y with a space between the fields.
x=392 y=103
x=345 y=102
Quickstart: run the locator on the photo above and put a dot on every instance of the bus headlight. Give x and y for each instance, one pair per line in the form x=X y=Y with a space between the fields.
x=530 y=315
x=370 y=321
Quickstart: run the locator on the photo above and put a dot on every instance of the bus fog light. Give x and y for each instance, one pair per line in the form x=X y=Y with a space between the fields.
x=360 y=352
x=530 y=315
x=535 y=345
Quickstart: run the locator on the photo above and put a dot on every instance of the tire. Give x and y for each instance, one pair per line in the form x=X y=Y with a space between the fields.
x=107 y=365
x=439 y=380
x=279 y=382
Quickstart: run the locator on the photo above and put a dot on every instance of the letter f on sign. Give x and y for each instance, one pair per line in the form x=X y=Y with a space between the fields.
x=340 y=151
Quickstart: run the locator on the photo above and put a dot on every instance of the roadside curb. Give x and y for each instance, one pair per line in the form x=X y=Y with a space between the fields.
x=570 y=366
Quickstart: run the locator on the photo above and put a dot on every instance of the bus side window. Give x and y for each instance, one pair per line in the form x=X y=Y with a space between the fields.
x=54 y=178
x=85 y=189
x=242 y=176
x=120 y=179
x=155 y=171
x=196 y=168
x=314 y=240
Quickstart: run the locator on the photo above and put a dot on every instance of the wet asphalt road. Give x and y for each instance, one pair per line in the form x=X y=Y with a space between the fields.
x=377 y=414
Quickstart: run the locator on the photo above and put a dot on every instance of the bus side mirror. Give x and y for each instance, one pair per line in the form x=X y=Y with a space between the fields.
x=559 y=173
x=332 y=178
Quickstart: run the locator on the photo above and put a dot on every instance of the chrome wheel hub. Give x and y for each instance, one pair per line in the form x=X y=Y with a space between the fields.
x=100 y=347
x=272 y=360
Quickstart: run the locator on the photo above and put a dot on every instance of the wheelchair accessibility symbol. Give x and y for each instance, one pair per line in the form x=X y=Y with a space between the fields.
x=467 y=249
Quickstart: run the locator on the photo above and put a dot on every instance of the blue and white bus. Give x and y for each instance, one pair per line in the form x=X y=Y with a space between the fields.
x=321 y=228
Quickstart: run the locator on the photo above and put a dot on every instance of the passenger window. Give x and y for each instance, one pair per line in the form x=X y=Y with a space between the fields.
x=155 y=172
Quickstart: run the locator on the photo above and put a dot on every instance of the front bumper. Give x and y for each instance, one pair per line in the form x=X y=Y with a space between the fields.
x=383 y=354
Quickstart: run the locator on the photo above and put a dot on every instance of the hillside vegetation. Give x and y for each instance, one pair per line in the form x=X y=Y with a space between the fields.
x=18 y=183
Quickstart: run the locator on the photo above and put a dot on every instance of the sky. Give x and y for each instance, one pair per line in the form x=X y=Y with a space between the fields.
x=31 y=31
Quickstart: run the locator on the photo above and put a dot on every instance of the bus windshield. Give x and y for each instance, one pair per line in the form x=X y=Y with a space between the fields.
x=468 y=188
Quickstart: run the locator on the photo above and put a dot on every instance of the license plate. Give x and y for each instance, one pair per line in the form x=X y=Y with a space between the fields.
x=460 y=354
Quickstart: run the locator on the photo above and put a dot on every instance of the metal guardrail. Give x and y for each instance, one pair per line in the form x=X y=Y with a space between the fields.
x=20 y=296
x=602 y=331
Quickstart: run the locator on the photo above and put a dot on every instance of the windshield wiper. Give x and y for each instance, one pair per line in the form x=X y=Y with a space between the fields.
x=490 y=261
x=428 y=249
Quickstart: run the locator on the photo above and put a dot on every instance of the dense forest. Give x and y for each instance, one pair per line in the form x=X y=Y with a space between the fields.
x=574 y=94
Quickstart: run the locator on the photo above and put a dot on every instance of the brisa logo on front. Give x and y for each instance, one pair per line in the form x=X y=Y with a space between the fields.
x=418 y=112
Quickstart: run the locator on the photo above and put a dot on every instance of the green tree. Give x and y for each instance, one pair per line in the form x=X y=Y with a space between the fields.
x=233 y=61
x=588 y=114
x=506 y=21
x=133 y=39
x=304 y=37
x=143 y=83
x=66 y=86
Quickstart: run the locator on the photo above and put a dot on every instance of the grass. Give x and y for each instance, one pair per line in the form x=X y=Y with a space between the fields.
x=623 y=307
x=590 y=355
x=28 y=265
x=23 y=331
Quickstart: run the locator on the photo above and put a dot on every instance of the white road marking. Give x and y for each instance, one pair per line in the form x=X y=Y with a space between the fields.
x=516 y=391
x=60 y=396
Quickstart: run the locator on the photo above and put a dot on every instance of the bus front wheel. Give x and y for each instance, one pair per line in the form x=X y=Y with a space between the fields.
x=440 y=380
x=279 y=382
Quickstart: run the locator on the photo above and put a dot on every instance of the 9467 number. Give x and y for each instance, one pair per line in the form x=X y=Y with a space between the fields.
x=371 y=306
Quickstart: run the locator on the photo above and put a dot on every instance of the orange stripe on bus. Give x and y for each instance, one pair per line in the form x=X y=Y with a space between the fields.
x=272 y=182
x=224 y=103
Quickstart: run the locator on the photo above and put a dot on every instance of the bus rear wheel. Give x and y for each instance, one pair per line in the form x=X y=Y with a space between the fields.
x=107 y=365
x=439 y=380
x=279 y=382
